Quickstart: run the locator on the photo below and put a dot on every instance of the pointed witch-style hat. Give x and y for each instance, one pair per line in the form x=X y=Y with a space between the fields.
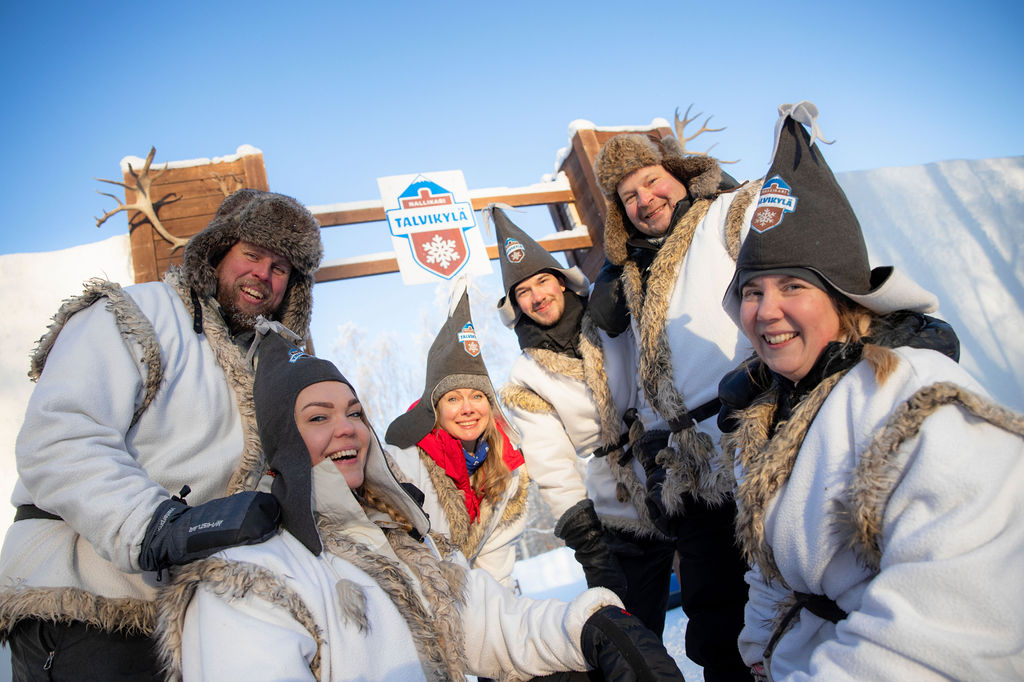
x=803 y=225
x=522 y=257
x=282 y=371
x=454 y=361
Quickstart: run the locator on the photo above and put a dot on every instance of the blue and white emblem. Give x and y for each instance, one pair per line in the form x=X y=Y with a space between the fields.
x=775 y=201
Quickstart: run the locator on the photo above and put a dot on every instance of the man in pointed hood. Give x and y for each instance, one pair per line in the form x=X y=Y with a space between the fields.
x=567 y=398
x=673 y=228
x=138 y=396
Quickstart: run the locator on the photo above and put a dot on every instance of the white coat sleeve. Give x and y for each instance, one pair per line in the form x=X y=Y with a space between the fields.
x=71 y=451
x=550 y=458
x=948 y=598
x=243 y=639
x=534 y=637
x=758 y=617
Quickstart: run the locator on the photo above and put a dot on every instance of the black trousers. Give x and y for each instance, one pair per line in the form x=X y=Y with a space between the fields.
x=713 y=591
x=647 y=565
x=42 y=650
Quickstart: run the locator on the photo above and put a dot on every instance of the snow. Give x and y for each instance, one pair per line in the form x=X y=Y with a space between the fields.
x=953 y=226
x=556 y=575
x=240 y=151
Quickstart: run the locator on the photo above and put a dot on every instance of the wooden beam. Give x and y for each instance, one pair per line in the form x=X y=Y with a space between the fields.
x=382 y=263
x=373 y=211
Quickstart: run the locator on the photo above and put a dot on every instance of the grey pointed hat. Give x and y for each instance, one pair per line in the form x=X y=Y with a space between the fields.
x=803 y=225
x=522 y=257
x=453 y=361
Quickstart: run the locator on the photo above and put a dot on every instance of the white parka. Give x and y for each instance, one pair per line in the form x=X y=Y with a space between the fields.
x=937 y=485
x=489 y=542
x=82 y=455
x=361 y=609
x=565 y=409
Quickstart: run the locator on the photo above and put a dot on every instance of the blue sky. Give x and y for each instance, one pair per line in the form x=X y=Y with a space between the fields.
x=336 y=94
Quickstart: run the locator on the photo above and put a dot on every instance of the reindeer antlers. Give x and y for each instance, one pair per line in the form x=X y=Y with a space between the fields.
x=680 y=127
x=144 y=203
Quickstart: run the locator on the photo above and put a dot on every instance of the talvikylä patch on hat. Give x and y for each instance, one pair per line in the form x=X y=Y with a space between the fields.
x=467 y=337
x=514 y=250
x=775 y=201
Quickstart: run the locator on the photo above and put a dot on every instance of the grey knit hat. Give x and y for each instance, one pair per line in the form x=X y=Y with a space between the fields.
x=454 y=361
x=282 y=371
x=268 y=220
x=804 y=222
x=628 y=152
x=521 y=257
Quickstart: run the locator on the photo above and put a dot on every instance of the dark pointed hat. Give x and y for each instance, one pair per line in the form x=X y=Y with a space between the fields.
x=454 y=361
x=282 y=371
x=803 y=225
x=521 y=257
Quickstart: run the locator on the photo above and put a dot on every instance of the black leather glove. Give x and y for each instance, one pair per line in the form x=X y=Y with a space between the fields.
x=581 y=530
x=179 y=533
x=607 y=302
x=616 y=643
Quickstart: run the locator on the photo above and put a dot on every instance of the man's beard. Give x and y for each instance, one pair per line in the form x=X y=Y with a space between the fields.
x=239 y=320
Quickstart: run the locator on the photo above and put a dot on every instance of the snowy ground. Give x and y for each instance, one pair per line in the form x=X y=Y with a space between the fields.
x=556 y=575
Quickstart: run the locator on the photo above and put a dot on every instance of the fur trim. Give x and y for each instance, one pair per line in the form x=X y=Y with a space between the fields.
x=689 y=457
x=878 y=468
x=69 y=604
x=229 y=580
x=272 y=221
x=467 y=536
x=437 y=632
x=238 y=373
x=522 y=398
x=734 y=218
x=131 y=323
x=768 y=464
x=626 y=153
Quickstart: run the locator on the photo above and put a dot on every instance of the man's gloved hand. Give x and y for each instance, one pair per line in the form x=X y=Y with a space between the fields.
x=624 y=649
x=179 y=533
x=655 y=474
x=581 y=531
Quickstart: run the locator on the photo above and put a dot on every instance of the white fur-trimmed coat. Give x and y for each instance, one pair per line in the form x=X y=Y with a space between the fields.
x=374 y=605
x=566 y=408
x=905 y=505
x=105 y=440
x=487 y=543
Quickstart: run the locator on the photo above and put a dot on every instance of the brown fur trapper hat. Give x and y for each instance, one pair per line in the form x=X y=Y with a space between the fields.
x=272 y=221
x=625 y=153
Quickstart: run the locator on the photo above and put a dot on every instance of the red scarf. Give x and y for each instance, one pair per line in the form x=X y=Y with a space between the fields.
x=448 y=454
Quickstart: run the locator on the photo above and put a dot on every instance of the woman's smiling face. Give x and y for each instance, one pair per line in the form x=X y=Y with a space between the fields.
x=330 y=421
x=789 y=322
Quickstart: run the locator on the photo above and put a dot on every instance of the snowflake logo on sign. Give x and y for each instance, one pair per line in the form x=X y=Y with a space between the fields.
x=435 y=225
x=775 y=201
x=441 y=251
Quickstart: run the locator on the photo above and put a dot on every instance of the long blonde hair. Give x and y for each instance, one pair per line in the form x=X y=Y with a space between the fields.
x=491 y=478
x=855 y=324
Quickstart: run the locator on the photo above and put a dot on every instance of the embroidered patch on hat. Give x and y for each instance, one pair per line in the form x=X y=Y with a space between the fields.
x=514 y=251
x=467 y=337
x=294 y=355
x=775 y=201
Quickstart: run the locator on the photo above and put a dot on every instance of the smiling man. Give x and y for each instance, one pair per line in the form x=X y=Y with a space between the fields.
x=141 y=395
x=673 y=228
x=567 y=397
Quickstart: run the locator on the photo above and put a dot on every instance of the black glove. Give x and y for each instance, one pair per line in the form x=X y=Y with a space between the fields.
x=646 y=452
x=179 y=533
x=581 y=530
x=607 y=302
x=624 y=649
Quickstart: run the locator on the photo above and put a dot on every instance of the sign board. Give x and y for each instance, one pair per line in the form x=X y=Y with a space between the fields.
x=433 y=229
